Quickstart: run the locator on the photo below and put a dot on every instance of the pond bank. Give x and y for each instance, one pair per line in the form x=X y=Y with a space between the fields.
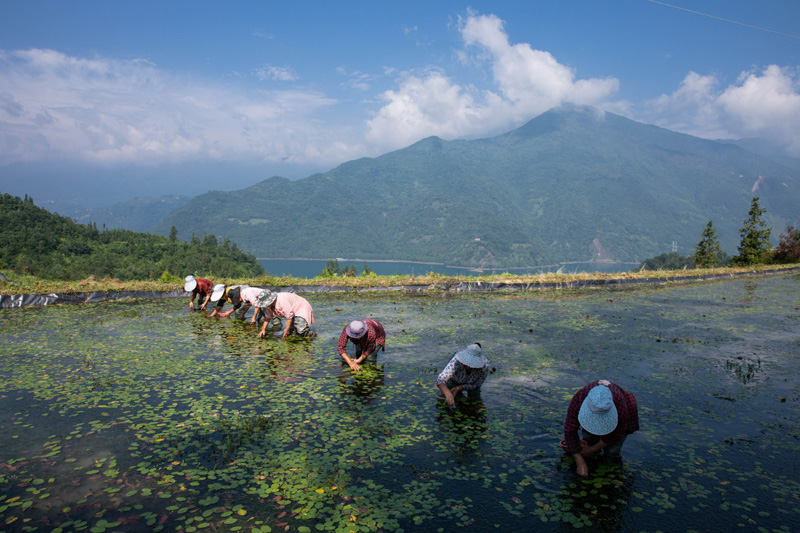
x=26 y=300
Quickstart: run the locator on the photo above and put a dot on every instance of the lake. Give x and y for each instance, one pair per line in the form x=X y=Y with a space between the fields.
x=310 y=268
x=145 y=416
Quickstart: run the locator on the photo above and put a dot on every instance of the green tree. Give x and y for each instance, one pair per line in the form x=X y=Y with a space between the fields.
x=173 y=234
x=708 y=252
x=755 y=236
x=366 y=270
x=667 y=261
x=50 y=246
x=331 y=269
x=788 y=249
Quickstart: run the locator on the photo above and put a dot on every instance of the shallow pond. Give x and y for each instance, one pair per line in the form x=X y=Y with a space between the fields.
x=146 y=416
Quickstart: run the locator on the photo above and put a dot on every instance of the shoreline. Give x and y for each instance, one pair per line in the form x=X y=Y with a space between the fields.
x=445 y=265
x=443 y=284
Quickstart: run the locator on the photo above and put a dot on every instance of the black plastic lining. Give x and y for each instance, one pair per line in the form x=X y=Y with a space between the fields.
x=25 y=300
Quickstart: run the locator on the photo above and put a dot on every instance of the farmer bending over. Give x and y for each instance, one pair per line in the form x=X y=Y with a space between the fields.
x=466 y=371
x=295 y=309
x=367 y=336
x=198 y=287
x=606 y=415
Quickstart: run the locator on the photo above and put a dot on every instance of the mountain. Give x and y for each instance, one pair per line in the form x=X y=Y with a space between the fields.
x=573 y=184
x=139 y=214
x=766 y=148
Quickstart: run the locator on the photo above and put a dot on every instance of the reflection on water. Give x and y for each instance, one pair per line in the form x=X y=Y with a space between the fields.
x=365 y=385
x=463 y=426
x=147 y=415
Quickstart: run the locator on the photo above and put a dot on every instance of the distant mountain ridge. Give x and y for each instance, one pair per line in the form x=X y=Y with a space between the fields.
x=573 y=184
x=139 y=214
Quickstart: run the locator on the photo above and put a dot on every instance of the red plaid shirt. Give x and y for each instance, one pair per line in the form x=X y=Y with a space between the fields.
x=375 y=336
x=627 y=416
x=204 y=288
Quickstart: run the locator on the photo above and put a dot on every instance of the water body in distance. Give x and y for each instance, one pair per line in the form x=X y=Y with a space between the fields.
x=309 y=268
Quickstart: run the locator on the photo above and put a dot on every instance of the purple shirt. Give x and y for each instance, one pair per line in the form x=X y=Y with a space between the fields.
x=627 y=416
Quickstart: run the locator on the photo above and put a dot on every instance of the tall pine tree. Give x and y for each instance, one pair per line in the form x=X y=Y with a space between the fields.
x=755 y=236
x=708 y=252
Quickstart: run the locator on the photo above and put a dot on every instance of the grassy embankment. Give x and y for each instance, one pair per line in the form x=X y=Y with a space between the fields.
x=24 y=284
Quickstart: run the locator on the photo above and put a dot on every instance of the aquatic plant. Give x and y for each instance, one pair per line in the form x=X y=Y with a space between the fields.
x=143 y=415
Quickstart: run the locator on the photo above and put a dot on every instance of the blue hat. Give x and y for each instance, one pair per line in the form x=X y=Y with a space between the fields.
x=471 y=356
x=598 y=414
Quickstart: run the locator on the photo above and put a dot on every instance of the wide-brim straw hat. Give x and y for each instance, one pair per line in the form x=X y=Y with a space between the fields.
x=218 y=292
x=598 y=414
x=190 y=284
x=471 y=356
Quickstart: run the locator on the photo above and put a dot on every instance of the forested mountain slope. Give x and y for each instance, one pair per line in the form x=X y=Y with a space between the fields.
x=573 y=184
x=47 y=245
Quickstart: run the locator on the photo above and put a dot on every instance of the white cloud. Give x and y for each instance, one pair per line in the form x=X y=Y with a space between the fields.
x=106 y=111
x=528 y=82
x=269 y=72
x=760 y=104
x=53 y=106
x=356 y=80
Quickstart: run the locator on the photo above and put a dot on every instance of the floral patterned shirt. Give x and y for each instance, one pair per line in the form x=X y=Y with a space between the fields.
x=461 y=374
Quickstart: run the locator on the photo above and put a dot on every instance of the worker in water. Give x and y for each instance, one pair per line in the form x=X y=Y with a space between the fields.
x=198 y=287
x=466 y=372
x=293 y=308
x=367 y=336
x=222 y=293
x=248 y=297
x=605 y=415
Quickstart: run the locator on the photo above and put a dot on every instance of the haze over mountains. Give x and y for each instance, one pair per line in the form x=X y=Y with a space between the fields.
x=573 y=184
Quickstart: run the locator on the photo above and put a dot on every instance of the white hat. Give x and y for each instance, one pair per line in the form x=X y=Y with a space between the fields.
x=219 y=290
x=190 y=284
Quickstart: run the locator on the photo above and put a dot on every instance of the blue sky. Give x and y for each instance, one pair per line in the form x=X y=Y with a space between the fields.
x=113 y=89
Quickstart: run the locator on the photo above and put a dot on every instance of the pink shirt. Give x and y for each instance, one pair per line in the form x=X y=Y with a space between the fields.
x=250 y=295
x=290 y=305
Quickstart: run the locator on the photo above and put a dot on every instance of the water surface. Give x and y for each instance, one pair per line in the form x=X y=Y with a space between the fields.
x=310 y=268
x=143 y=415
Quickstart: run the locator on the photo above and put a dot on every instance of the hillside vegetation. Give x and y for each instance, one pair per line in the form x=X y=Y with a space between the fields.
x=43 y=244
x=571 y=185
